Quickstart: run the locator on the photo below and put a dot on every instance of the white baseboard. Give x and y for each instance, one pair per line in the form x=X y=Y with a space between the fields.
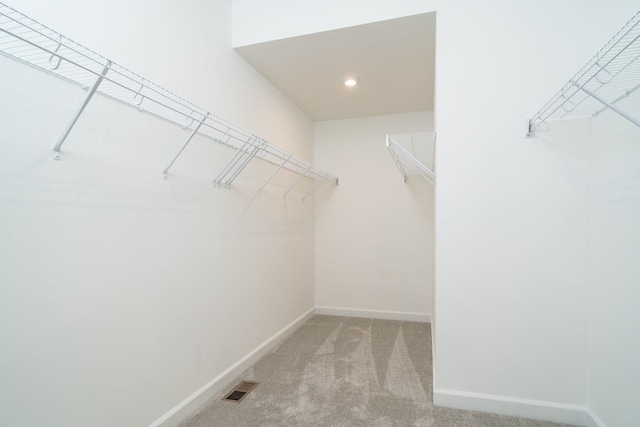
x=375 y=314
x=526 y=408
x=593 y=420
x=206 y=392
x=551 y=411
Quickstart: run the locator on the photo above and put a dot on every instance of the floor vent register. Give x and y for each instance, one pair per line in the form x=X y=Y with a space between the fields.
x=240 y=391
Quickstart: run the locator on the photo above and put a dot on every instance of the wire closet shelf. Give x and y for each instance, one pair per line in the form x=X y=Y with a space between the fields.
x=408 y=164
x=33 y=43
x=610 y=76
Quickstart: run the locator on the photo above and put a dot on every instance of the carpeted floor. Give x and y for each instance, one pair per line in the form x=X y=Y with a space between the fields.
x=346 y=372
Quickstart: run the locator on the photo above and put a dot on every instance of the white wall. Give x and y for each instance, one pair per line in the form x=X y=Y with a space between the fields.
x=257 y=21
x=515 y=229
x=613 y=272
x=123 y=293
x=374 y=236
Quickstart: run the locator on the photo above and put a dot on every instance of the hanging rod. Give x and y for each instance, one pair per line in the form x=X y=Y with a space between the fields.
x=610 y=76
x=408 y=164
x=33 y=43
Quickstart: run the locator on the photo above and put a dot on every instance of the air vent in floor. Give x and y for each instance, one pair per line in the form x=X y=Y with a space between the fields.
x=240 y=391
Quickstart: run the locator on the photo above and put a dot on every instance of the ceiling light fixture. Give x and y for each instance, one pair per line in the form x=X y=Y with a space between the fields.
x=351 y=81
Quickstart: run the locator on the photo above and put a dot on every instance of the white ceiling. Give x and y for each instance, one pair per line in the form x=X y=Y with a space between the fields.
x=393 y=59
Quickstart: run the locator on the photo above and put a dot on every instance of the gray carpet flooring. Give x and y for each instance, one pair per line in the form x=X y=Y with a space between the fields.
x=346 y=372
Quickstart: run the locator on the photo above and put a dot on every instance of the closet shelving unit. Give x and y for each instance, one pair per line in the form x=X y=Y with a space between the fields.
x=31 y=42
x=610 y=76
x=408 y=164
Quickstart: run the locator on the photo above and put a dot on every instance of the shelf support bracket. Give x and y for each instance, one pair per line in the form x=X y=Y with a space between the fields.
x=392 y=149
x=284 y=162
x=609 y=105
x=231 y=164
x=243 y=165
x=298 y=180
x=313 y=189
x=193 y=133
x=92 y=91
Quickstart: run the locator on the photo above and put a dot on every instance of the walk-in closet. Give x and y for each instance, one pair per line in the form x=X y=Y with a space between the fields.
x=279 y=213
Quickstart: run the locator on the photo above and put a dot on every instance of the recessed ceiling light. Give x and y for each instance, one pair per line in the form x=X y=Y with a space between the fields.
x=351 y=81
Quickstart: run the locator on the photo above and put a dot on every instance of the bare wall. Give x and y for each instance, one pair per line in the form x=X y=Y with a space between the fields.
x=526 y=287
x=374 y=236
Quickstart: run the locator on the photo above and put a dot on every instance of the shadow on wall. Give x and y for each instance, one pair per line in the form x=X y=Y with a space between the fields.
x=423 y=196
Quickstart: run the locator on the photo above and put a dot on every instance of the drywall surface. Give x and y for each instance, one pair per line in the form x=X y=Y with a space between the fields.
x=514 y=233
x=374 y=236
x=186 y=49
x=613 y=272
x=256 y=21
x=123 y=293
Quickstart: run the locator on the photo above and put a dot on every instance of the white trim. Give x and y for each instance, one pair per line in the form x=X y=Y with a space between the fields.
x=526 y=408
x=375 y=314
x=206 y=392
x=593 y=420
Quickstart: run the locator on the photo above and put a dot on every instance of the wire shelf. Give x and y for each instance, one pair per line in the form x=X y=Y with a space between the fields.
x=31 y=42
x=611 y=75
x=408 y=164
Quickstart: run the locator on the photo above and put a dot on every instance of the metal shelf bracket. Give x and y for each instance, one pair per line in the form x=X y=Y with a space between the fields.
x=407 y=164
x=297 y=181
x=193 y=132
x=611 y=106
x=56 y=150
x=238 y=162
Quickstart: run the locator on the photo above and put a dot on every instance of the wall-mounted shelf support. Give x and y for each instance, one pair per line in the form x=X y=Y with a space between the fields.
x=408 y=164
x=193 y=132
x=297 y=181
x=610 y=76
x=312 y=190
x=30 y=42
x=284 y=162
x=612 y=107
x=92 y=91
x=238 y=162
x=264 y=184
